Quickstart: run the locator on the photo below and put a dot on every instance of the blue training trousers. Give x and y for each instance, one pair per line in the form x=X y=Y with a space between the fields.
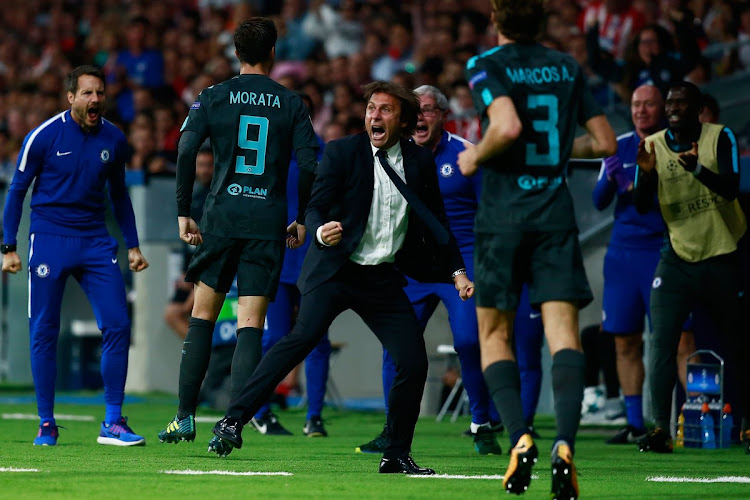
x=93 y=263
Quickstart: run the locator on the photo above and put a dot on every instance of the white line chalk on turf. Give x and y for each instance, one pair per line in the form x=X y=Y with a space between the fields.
x=60 y=416
x=720 y=479
x=13 y=469
x=207 y=420
x=189 y=472
x=452 y=476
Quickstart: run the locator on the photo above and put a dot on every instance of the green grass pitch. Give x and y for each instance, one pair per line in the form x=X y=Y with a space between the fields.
x=326 y=468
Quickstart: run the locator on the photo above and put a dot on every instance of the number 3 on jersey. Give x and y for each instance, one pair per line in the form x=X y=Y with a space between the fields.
x=548 y=127
x=244 y=142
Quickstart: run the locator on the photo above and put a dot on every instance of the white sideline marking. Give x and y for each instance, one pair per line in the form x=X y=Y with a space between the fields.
x=720 y=479
x=13 y=469
x=207 y=420
x=452 y=476
x=61 y=416
x=190 y=472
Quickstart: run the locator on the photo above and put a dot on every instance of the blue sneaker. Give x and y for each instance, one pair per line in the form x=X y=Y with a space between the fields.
x=119 y=433
x=47 y=435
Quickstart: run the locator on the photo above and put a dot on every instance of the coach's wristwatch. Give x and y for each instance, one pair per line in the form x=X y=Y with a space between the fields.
x=7 y=248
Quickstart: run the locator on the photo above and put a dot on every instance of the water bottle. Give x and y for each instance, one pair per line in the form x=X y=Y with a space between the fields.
x=708 y=438
x=727 y=423
x=692 y=413
x=680 y=439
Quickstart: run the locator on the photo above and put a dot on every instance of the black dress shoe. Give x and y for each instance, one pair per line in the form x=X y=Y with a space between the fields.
x=404 y=465
x=229 y=429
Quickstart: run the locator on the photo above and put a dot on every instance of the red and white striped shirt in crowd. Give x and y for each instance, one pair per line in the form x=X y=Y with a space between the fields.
x=615 y=30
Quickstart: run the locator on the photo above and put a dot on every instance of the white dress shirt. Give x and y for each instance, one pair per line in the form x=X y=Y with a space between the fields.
x=387 y=222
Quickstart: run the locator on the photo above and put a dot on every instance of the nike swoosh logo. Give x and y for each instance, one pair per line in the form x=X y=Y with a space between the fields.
x=628 y=165
x=114 y=261
x=262 y=428
x=534 y=315
x=63 y=154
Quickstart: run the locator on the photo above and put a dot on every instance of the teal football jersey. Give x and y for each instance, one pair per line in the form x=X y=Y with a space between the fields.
x=254 y=125
x=525 y=185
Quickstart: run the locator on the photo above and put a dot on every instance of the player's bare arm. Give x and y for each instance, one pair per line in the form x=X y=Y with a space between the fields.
x=505 y=127
x=598 y=142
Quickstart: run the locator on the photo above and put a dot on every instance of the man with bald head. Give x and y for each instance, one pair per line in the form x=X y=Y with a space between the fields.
x=631 y=258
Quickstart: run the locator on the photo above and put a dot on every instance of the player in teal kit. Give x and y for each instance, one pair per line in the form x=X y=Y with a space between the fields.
x=254 y=124
x=530 y=99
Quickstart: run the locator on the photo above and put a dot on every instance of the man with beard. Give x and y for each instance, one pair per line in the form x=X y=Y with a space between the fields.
x=72 y=157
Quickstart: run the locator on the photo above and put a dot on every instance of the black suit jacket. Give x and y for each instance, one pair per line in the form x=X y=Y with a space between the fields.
x=343 y=188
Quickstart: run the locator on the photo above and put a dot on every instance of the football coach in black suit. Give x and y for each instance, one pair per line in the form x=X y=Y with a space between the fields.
x=369 y=229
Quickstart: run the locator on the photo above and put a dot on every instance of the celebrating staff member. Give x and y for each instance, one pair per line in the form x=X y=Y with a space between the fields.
x=693 y=167
x=72 y=157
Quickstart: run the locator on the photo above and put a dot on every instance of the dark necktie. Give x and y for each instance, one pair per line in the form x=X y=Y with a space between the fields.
x=436 y=228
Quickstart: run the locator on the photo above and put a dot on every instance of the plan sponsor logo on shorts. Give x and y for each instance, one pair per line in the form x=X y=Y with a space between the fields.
x=42 y=270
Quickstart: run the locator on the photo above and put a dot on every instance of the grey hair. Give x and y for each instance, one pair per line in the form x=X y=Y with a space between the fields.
x=435 y=93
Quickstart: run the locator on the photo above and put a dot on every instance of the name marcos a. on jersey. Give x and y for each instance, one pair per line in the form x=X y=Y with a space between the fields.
x=549 y=94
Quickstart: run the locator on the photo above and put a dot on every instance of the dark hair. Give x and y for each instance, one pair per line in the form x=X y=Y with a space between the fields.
x=695 y=96
x=709 y=102
x=71 y=81
x=307 y=100
x=633 y=62
x=519 y=20
x=254 y=40
x=663 y=36
x=407 y=99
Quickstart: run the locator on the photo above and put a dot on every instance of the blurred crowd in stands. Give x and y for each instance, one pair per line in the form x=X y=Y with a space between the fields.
x=158 y=55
